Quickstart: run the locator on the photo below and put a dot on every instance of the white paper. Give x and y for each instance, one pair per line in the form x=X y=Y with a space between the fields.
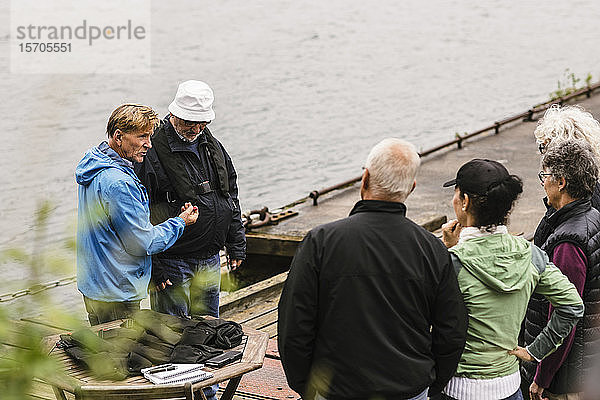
x=176 y=373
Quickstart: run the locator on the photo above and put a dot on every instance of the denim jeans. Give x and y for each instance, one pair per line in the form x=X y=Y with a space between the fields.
x=197 y=295
x=420 y=396
x=518 y=395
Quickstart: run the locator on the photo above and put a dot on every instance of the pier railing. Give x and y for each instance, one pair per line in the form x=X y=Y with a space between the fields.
x=458 y=141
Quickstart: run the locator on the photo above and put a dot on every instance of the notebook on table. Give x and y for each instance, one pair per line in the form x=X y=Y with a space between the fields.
x=176 y=373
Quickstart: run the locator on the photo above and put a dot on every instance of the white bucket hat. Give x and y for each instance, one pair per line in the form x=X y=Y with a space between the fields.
x=193 y=102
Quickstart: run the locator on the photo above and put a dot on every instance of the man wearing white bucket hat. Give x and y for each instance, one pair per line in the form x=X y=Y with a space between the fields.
x=186 y=162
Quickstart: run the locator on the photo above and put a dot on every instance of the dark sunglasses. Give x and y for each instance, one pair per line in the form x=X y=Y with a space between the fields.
x=190 y=124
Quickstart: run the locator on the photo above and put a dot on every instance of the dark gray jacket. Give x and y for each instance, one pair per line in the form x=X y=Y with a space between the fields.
x=219 y=222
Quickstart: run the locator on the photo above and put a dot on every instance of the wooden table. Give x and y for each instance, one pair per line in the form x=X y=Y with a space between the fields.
x=82 y=385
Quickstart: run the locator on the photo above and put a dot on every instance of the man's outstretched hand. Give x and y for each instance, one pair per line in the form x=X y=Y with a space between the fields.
x=189 y=214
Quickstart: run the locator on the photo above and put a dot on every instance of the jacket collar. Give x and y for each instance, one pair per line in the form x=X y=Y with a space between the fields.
x=472 y=232
x=570 y=210
x=113 y=155
x=379 y=206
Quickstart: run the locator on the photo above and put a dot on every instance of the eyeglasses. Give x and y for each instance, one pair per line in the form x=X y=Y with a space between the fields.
x=190 y=124
x=542 y=175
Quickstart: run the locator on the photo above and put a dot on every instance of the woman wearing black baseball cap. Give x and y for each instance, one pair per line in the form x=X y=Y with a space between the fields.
x=497 y=273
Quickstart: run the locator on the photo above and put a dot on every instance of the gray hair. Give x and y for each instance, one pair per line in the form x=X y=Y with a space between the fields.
x=574 y=161
x=392 y=165
x=567 y=123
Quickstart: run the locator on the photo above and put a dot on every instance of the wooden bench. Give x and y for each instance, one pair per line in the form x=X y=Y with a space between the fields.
x=82 y=385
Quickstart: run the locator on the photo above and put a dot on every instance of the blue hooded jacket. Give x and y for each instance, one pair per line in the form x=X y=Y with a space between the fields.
x=114 y=235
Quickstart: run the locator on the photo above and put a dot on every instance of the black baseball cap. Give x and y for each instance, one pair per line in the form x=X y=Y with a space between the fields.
x=478 y=176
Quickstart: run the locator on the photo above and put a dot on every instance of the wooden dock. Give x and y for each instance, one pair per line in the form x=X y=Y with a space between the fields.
x=514 y=146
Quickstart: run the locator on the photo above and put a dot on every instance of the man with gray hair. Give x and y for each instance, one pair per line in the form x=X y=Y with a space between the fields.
x=371 y=307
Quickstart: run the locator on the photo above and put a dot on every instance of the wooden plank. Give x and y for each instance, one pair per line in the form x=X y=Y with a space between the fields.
x=41 y=390
x=267 y=318
x=435 y=223
x=56 y=326
x=20 y=334
x=272 y=244
x=246 y=297
x=271 y=330
x=245 y=315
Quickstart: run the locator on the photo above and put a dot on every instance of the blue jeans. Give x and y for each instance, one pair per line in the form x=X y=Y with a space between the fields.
x=420 y=396
x=196 y=295
x=518 y=395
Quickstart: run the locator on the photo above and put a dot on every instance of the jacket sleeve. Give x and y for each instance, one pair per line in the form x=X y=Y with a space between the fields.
x=297 y=315
x=568 y=309
x=573 y=264
x=449 y=328
x=131 y=221
x=236 y=235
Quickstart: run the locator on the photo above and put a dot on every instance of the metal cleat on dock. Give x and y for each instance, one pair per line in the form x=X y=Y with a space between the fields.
x=264 y=217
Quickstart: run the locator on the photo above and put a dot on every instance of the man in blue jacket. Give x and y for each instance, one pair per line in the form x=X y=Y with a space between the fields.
x=114 y=235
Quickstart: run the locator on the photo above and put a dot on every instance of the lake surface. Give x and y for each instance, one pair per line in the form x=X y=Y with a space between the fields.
x=303 y=90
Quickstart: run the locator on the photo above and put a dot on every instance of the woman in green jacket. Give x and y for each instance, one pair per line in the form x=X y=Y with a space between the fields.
x=497 y=273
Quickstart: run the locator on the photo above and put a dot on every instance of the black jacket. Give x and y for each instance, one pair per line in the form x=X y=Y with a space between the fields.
x=219 y=222
x=150 y=338
x=371 y=307
x=544 y=229
x=537 y=309
x=578 y=223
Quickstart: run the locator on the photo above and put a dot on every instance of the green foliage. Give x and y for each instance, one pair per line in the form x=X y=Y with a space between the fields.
x=22 y=355
x=569 y=84
x=23 y=360
x=229 y=283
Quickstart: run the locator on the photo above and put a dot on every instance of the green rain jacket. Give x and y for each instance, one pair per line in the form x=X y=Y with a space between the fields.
x=497 y=275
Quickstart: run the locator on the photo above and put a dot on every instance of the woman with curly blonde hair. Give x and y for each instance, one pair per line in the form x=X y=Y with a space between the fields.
x=567 y=123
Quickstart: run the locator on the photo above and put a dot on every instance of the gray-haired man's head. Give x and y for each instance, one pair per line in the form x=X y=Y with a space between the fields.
x=391 y=169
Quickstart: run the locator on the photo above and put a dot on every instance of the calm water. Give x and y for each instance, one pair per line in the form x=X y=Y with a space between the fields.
x=303 y=90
